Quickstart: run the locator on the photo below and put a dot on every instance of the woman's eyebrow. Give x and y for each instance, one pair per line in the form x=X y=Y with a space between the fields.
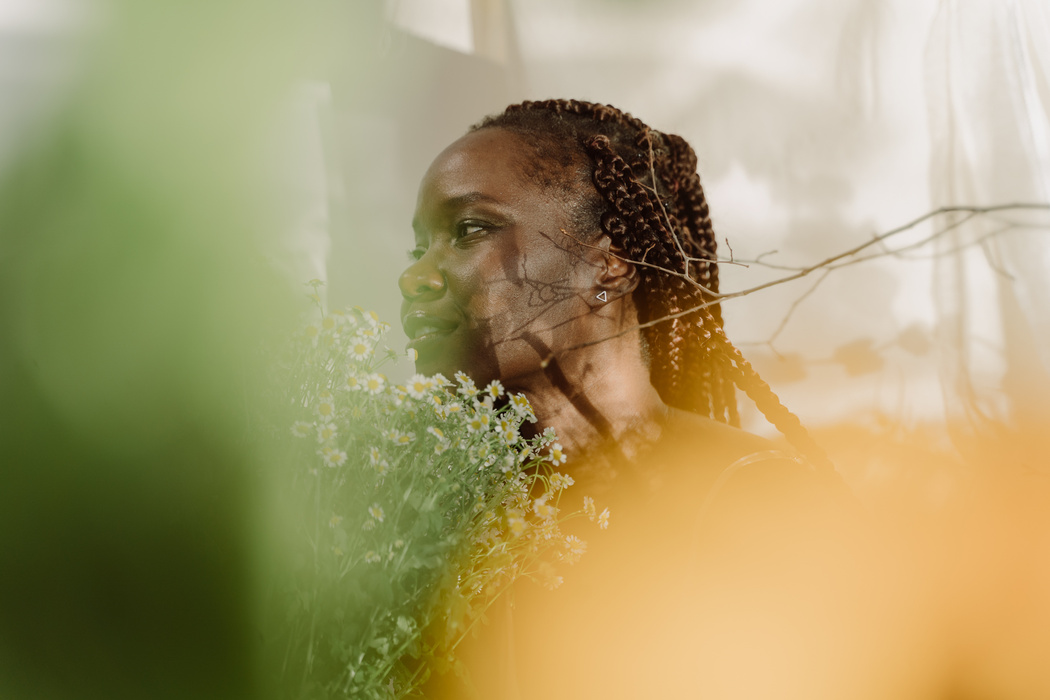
x=468 y=198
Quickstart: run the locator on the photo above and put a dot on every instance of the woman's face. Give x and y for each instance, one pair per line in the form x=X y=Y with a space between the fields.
x=497 y=282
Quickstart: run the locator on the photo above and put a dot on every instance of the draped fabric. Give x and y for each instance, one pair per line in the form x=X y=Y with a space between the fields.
x=819 y=124
x=988 y=82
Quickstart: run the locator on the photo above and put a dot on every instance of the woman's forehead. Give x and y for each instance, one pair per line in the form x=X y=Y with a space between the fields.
x=501 y=163
x=483 y=165
x=489 y=149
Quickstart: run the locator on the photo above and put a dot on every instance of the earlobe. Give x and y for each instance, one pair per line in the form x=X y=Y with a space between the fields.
x=618 y=276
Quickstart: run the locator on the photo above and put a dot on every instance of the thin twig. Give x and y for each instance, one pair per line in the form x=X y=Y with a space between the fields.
x=795 y=304
x=660 y=201
x=661 y=268
x=828 y=264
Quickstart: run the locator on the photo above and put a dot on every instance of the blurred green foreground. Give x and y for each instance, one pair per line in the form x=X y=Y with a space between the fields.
x=134 y=295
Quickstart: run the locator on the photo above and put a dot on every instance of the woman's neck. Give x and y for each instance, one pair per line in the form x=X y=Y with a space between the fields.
x=595 y=401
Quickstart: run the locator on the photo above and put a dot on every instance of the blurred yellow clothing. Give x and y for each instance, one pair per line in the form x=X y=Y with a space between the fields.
x=715 y=579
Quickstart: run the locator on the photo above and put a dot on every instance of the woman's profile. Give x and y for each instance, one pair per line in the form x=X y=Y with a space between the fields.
x=565 y=249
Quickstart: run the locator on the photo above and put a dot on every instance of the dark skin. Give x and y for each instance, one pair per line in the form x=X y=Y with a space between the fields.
x=503 y=287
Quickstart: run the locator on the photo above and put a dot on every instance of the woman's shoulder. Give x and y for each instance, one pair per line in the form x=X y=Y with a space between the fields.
x=714 y=466
x=701 y=447
x=713 y=439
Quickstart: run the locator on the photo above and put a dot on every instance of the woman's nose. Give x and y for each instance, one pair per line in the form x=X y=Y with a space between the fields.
x=419 y=279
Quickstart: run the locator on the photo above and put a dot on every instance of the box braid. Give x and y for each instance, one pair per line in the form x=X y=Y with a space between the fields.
x=642 y=188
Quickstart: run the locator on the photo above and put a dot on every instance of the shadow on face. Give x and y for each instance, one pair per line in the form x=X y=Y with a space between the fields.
x=499 y=277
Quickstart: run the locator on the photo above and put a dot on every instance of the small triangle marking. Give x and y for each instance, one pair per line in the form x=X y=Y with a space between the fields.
x=601 y=297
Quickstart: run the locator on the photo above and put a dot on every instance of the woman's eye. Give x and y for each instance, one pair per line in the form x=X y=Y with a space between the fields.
x=470 y=228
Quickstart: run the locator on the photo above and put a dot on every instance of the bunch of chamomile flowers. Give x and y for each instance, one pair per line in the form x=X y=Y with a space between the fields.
x=420 y=503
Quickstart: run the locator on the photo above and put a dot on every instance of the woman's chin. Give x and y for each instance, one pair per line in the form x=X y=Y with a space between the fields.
x=431 y=363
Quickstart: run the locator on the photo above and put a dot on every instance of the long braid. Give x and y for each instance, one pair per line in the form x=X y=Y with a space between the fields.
x=769 y=404
x=652 y=205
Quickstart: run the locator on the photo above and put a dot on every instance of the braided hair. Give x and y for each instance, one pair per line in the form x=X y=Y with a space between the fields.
x=643 y=191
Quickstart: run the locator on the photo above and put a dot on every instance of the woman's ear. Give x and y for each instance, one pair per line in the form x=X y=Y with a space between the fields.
x=618 y=276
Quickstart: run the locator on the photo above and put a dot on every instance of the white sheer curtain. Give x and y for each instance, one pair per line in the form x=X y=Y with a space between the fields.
x=988 y=77
x=818 y=123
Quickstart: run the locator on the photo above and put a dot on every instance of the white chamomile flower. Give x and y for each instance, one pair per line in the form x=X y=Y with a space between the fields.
x=333 y=458
x=302 y=428
x=526 y=454
x=376 y=512
x=543 y=509
x=440 y=447
x=516 y=522
x=478 y=422
x=468 y=390
x=508 y=430
x=548 y=436
x=557 y=481
x=418 y=385
x=325 y=406
x=557 y=455
x=436 y=432
x=494 y=389
x=329 y=323
x=353 y=382
x=550 y=579
x=589 y=509
x=334 y=521
x=603 y=519
x=359 y=349
x=374 y=383
x=326 y=432
x=372 y=558
x=374 y=455
x=575 y=548
x=399 y=438
x=522 y=407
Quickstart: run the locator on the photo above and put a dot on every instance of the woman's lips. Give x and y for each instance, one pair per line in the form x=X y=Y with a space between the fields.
x=423 y=328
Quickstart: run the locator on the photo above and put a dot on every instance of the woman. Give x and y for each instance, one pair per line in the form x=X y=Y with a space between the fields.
x=565 y=249
x=551 y=241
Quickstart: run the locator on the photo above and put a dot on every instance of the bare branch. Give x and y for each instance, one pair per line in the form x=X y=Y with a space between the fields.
x=848 y=257
x=673 y=273
x=794 y=305
x=973 y=211
x=660 y=201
